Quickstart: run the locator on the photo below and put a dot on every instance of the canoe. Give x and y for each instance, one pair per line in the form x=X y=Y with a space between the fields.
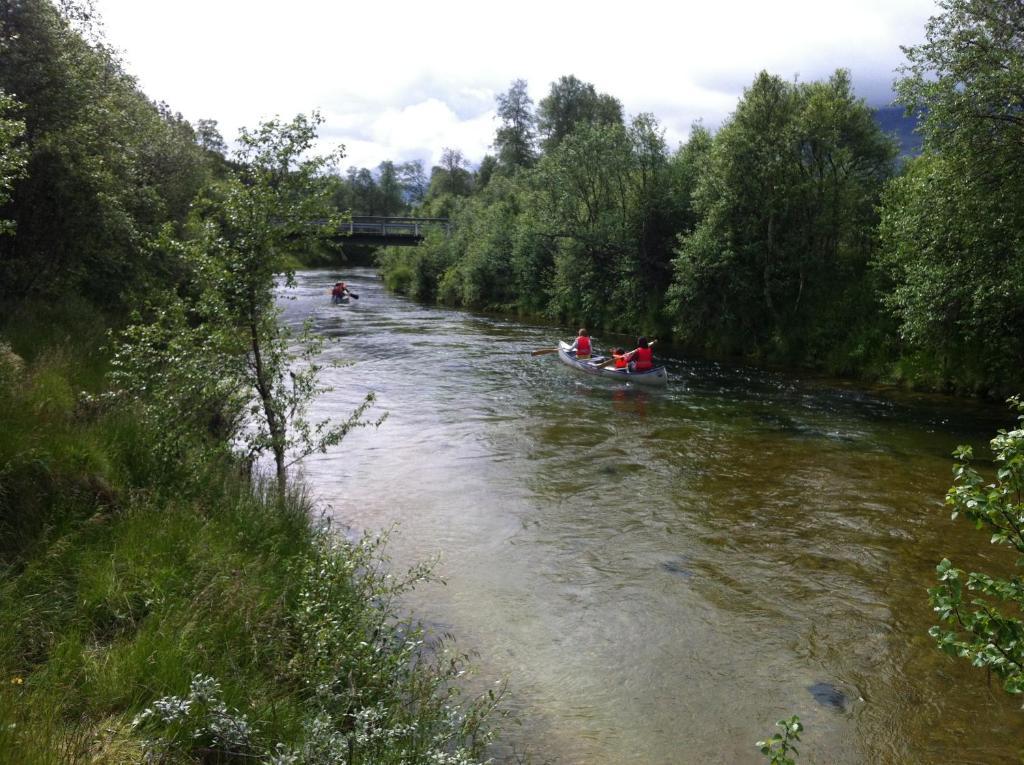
x=656 y=376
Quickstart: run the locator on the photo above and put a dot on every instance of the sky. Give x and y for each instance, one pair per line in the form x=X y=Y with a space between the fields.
x=404 y=80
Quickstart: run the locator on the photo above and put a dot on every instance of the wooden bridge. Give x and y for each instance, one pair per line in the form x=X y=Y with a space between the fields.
x=381 y=231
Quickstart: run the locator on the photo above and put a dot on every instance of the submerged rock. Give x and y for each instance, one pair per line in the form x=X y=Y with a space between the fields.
x=828 y=695
x=679 y=567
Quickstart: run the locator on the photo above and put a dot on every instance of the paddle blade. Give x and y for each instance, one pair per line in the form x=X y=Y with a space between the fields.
x=543 y=351
x=354 y=295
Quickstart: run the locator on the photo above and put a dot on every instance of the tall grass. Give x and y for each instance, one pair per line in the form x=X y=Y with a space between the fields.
x=149 y=613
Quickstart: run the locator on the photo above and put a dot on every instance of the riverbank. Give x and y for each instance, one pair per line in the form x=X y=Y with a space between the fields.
x=188 y=614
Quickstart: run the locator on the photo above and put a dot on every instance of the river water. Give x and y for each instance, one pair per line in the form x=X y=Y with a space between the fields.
x=661 y=575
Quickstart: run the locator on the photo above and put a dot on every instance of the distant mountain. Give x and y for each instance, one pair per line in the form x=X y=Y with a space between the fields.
x=892 y=120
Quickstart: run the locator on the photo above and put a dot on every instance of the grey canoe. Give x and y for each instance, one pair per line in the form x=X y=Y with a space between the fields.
x=656 y=376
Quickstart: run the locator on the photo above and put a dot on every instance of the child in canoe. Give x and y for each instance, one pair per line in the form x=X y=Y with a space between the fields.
x=581 y=345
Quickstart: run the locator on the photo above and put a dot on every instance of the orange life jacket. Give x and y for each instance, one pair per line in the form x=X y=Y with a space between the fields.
x=620 y=360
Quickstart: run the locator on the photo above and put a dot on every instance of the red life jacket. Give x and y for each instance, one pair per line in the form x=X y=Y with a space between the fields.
x=582 y=346
x=644 y=358
x=620 y=361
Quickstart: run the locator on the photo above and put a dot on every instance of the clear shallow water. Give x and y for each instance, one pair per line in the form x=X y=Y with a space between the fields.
x=663 y=574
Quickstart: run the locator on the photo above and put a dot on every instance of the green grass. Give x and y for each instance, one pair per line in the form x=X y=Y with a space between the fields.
x=124 y=582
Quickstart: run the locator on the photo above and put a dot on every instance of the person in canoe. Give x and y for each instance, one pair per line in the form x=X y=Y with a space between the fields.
x=641 y=358
x=619 y=357
x=581 y=345
x=339 y=293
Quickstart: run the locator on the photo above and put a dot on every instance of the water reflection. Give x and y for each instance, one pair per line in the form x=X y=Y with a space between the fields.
x=663 y=574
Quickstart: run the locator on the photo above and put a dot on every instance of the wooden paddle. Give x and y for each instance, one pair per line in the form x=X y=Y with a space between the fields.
x=543 y=351
x=606 y=364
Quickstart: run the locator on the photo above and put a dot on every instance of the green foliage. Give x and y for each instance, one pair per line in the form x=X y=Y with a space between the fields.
x=982 y=613
x=779 y=747
x=12 y=154
x=952 y=233
x=220 y=353
x=115 y=569
x=786 y=200
x=516 y=135
x=570 y=104
x=104 y=167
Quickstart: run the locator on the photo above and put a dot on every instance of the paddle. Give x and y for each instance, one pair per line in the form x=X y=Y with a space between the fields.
x=606 y=364
x=543 y=351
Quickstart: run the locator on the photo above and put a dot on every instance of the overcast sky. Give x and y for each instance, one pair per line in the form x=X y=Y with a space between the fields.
x=402 y=80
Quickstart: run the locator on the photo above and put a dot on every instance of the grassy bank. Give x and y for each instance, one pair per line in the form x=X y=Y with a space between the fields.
x=186 y=614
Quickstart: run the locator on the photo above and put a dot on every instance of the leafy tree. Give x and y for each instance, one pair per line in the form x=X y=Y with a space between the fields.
x=209 y=137
x=981 y=614
x=389 y=189
x=245 y=227
x=570 y=103
x=413 y=178
x=12 y=155
x=484 y=172
x=788 y=206
x=952 y=228
x=105 y=168
x=517 y=134
x=451 y=175
x=580 y=203
x=364 y=193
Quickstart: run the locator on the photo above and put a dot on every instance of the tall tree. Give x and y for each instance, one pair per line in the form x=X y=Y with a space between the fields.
x=389 y=189
x=243 y=229
x=517 y=133
x=106 y=168
x=451 y=176
x=414 y=182
x=953 y=226
x=12 y=154
x=787 y=205
x=572 y=102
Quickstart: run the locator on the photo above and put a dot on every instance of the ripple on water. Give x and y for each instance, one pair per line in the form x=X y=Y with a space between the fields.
x=709 y=553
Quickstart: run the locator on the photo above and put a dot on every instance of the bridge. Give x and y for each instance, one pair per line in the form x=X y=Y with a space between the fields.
x=382 y=231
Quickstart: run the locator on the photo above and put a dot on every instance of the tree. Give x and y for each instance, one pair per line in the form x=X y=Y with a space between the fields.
x=209 y=137
x=413 y=178
x=451 y=176
x=389 y=189
x=365 y=196
x=570 y=103
x=105 y=167
x=952 y=228
x=517 y=133
x=787 y=206
x=244 y=227
x=484 y=172
x=982 y=613
x=12 y=155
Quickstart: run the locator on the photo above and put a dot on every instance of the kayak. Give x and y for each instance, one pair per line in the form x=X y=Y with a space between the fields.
x=339 y=300
x=656 y=376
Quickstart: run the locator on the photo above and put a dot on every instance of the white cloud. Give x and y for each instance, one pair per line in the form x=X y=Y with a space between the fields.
x=408 y=78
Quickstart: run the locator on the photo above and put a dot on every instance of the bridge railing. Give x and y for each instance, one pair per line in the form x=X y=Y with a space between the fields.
x=380 y=225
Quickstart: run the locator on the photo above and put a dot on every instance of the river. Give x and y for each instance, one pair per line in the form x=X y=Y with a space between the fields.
x=661 y=575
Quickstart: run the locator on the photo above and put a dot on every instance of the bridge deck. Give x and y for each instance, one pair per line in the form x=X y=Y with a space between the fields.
x=388 y=230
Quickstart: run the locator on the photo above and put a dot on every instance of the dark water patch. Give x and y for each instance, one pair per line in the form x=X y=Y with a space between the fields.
x=679 y=566
x=829 y=696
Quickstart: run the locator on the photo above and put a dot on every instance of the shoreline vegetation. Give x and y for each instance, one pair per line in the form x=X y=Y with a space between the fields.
x=191 y=615
x=160 y=603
